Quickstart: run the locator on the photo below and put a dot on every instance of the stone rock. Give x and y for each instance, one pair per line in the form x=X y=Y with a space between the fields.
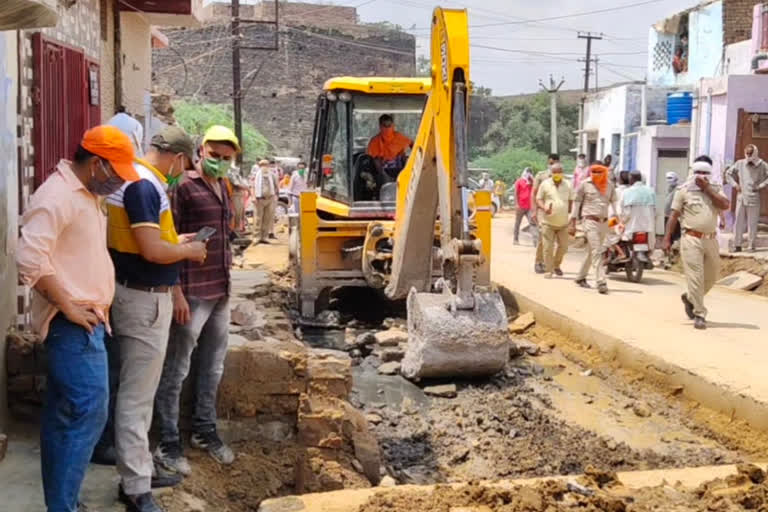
x=389 y=368
x=754 y=473
x=247 y=315
x=387 y=481
x=388 y=323
x=444 y=391
x=480 y=508
x=365 y=339
x=641 y=409
x=442 y=343
x=741 y=280
x=391 y=338
x=522 y=323
x=520 y=347
x=374 y=419
x=391 y=354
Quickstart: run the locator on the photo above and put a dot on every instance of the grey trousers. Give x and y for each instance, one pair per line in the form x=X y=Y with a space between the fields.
x=208 y=331
x=746 y=217
x=520 y=214
x=140 y=321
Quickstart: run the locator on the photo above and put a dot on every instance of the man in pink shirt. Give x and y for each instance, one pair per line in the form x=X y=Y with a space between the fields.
x=523 y=191
x=62 y=254
x=581 y=171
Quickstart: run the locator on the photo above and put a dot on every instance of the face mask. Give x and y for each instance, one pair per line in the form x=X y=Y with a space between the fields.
x=581 y=163
x=173 y=181
x=112 y=185
x=387 y=132
x=301 y=171
x=754 y=159
x=215 y=168
x=557 y=178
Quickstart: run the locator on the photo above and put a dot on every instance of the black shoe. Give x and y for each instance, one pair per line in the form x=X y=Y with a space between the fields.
x=81 y=507
x=699 y=323
x=539 y=268
x=272 y=236
x=602 y=289
x=688 y=306
x=163 y=478
x=104 y=456
x=264 y=242
x=737 y=249
x=558 y=272
x=583 y=283
x=139 y=503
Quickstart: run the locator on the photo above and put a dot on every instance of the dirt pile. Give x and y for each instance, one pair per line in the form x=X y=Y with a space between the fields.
x=595 y=491
x=730 y=265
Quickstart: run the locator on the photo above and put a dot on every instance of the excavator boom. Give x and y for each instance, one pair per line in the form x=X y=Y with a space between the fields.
x=461 y=329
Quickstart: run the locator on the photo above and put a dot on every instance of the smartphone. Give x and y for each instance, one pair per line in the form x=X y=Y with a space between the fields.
x=204 y=234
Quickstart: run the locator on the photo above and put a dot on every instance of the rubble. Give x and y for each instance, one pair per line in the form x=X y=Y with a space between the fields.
x=247 y=314
x=741 y=280
x=390 y=368
x=391 y=338
x=443 y=391
x=641 y=409
x=522 y=323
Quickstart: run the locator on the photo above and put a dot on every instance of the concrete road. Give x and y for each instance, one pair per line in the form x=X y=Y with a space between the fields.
x=644 y=325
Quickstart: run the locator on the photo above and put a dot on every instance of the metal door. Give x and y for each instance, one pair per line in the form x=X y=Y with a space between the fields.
x=753 y=129
x=63 y=102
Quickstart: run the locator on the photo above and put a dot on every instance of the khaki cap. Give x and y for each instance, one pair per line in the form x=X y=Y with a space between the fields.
x=175 y=140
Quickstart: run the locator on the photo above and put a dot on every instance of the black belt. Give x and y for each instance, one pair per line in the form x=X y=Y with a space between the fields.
x=594 y=218
x=144 y=288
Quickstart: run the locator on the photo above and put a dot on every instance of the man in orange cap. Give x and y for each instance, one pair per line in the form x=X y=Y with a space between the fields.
x=62 y=256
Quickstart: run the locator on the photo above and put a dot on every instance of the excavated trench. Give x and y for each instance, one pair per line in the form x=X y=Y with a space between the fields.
x=558 y=408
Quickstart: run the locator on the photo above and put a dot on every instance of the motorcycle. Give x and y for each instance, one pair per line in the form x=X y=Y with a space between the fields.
x=636 y=258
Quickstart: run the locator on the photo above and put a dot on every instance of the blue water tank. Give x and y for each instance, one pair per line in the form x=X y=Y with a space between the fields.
x=679 y=107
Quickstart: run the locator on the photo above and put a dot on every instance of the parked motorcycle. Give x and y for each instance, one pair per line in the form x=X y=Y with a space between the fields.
x=636 y=258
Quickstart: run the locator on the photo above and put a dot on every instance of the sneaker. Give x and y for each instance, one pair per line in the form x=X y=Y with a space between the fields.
x=104 y=455
x=688 y=306
x=699 y=323
x=170 y=456
x=139 y=502
x=583 y=283
x=210 y=442
x=539 y=268
x=558 y=272
x=602 y=289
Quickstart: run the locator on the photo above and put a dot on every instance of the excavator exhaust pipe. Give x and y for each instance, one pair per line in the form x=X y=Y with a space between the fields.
x=444 y=341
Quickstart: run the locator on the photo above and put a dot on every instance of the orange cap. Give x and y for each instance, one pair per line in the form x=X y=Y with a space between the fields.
x=113 y=146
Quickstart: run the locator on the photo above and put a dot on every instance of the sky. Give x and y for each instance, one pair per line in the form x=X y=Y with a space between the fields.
x=523 y=52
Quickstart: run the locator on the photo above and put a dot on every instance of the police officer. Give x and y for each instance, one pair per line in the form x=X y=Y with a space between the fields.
x=593 y=197
x=542 y=176
x=697 y=205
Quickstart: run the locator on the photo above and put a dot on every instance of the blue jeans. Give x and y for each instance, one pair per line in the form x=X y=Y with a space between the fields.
x=75 y=409
x=208 y=331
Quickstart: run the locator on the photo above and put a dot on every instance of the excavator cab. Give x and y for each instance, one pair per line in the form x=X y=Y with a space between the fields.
x=347 y=118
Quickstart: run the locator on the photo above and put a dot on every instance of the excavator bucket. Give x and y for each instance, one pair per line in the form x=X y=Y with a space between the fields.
x=448 y=342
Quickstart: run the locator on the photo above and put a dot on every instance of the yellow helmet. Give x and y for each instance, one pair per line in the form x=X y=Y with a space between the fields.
x=218 y=133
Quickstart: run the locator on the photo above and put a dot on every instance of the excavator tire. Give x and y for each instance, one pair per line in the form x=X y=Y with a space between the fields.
x=464 y=343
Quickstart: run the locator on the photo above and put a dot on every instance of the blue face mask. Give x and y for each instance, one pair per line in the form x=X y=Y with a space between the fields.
x=105 y=188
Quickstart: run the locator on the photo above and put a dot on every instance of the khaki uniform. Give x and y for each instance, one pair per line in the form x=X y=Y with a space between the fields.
x=591 y=207
x=537 y=181
x=265 y=206
x=554 y=226
x=701 y=256
x=749 y=177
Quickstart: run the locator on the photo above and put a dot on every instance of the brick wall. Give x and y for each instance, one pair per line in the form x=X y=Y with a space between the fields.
x=737 y=20
x=281 y=101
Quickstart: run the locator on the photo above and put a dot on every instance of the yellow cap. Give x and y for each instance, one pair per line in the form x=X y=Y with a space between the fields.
x=218 y=133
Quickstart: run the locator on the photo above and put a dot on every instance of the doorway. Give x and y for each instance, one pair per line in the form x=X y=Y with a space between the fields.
x=753 y=129
x=674 y=160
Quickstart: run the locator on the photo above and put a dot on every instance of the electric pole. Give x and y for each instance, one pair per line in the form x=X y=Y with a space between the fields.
x=589 y=36
x=595 y=61
x=552 y=90
x=236 y=83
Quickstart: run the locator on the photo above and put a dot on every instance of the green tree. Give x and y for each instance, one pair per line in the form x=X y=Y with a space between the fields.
x=423 y=66
x=196 y=117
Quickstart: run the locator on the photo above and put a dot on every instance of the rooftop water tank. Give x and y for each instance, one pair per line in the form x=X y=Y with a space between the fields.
x=679 y=107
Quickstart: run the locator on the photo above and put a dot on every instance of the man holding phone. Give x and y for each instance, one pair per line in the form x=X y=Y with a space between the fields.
x=201 y=307
x=146 y=251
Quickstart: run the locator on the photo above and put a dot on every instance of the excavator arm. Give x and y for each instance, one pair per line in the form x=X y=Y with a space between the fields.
x=461 y=329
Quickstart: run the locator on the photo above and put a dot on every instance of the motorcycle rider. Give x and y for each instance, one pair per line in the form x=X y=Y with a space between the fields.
x=638 y=211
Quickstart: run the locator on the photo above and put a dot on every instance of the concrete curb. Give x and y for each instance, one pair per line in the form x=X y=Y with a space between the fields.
x=695 y=387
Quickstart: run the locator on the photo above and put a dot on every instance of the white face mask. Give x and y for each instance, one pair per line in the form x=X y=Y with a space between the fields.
x=581 y=163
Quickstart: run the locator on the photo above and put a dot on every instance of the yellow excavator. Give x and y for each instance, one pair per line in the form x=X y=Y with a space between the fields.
x=408 y=232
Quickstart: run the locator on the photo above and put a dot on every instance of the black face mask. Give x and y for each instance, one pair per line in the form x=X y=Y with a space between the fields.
x=105 y=188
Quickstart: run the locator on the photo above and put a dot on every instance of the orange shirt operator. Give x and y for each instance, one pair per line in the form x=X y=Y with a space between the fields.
x=388 y=144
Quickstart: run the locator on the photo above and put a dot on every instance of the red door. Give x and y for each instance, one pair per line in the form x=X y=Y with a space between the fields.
x=64 y=98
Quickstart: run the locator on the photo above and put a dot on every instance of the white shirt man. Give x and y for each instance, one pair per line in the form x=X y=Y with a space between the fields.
x=131 y=127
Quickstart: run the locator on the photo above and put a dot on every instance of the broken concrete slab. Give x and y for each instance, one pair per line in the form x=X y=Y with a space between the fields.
x=391 y=338
x=390 y=354
x=389 y=368
x=741 y=280
x=520 y=347
x=443 y=391
x=522 y=323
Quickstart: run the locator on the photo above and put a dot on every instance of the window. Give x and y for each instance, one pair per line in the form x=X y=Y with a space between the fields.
x=405 y=109
x=335 y=184
x=759 y=126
